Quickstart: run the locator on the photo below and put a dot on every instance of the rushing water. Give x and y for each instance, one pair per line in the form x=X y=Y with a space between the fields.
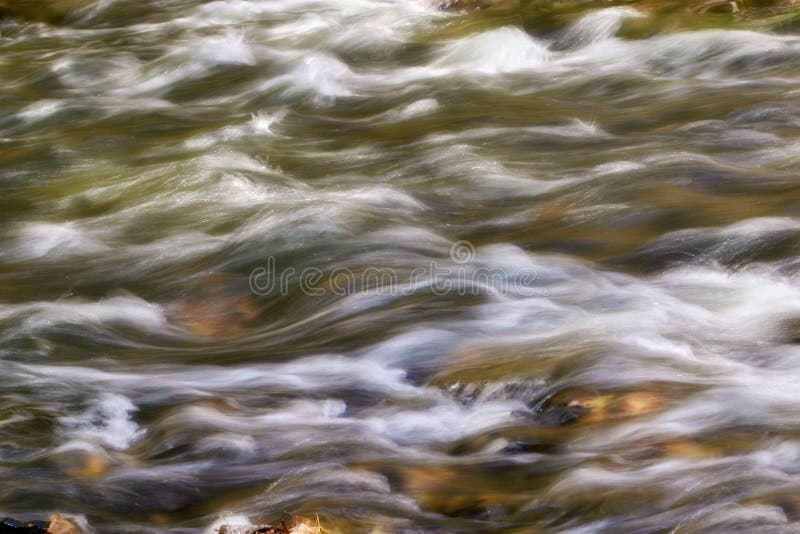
x=588 y=298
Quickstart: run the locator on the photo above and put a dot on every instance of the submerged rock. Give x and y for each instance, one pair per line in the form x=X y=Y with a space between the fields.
x=217 y=306
x=240 y=525
x=58 y=524
x=585 y=406
x=62 y=525
x=472 y=5
x=12 y=526
x=264 y=529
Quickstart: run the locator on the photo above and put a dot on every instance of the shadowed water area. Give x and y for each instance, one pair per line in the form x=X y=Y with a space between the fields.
x=628 y=175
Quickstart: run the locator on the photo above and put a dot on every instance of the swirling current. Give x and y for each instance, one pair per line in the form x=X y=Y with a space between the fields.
x=393 y=268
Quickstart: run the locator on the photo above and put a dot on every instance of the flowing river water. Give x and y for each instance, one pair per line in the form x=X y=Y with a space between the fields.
x=400 y=269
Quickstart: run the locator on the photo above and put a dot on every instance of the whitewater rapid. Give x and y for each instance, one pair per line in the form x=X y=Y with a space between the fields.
x=629 y=362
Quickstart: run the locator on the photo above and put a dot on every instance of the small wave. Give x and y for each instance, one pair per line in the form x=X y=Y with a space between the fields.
x=506 y=49
x=108 y=422
x=595 y=26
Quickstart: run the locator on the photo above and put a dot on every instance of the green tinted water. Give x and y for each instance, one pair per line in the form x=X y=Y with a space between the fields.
x=527 y=268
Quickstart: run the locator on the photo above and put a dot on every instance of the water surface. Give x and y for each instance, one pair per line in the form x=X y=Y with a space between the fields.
x=630 y=183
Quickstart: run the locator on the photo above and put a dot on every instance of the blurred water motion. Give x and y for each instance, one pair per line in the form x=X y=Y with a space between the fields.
x=641 y=164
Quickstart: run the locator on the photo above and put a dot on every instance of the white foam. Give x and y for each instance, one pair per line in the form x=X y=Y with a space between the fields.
x=740 y=239
x=617 y=167
x=304 y=29
x=127 y=310
x=706 y=54
x=41 y=110
x=596 y=26
x=417 y=108
x=263 y=123
x=107 y=422
x=53 y=241
x=313 y=373
x=227 y=49
x=260 y=125
x=417 y=346
x=505 y=49
x=322 y=75
x=442 y=423
x=761 y=226
x=298 y=413
x=573 y=129
x=235 y=523
x=238 y=444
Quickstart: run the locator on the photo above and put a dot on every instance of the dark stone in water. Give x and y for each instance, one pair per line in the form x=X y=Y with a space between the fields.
x=529 y=447
x=262 y=529
x=560 y=415
x=12 y=526
x=469 y=5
